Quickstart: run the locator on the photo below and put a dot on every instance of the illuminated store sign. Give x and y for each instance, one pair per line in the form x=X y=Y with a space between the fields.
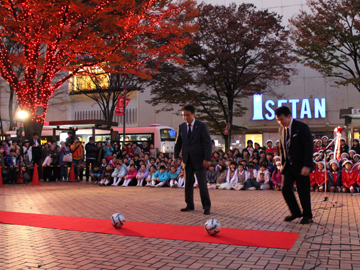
x=318 y=110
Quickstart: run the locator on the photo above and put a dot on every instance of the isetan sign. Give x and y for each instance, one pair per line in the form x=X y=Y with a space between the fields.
x=266 y=111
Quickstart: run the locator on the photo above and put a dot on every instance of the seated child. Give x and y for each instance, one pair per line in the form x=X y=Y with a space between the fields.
x=106 y=175
x=130 y=175
x=243 y=175
x=334 y=176
x=181 y=178
x=348 y=178
x=113 y=161
x=12 y=162
x=320 y=177
x=263 y=177
x=152 y=171
x=358 y=175
x=277 y=176
x=161 y=177
x=119 y=173
x=103 y=165
x=211 y=175
x=251 y=183
x=173 y=176
x=95 y=173
x=312 y=180
x=221 y=176
x=231 y=177
x=141 y=175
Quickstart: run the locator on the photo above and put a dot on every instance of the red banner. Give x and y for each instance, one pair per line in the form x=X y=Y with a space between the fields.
x=227 y=128
x=119 y=110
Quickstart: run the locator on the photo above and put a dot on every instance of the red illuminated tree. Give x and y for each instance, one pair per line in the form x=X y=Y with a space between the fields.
x=61 y=38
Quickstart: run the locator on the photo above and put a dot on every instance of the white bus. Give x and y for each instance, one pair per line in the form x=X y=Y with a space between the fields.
x=162 y=137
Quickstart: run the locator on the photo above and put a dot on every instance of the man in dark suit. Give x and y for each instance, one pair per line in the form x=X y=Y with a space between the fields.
x=193 y=139
x=296 y=149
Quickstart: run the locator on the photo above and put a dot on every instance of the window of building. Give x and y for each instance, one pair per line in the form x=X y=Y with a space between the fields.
x=91 y=78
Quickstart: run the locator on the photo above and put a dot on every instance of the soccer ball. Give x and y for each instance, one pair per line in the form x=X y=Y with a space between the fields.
x=117 y=220
x=212 y=226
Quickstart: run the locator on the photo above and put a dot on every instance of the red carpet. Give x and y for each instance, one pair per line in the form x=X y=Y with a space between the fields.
x=254 y=238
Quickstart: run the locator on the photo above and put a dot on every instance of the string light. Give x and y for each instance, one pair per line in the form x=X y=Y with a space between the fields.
x=58 y=37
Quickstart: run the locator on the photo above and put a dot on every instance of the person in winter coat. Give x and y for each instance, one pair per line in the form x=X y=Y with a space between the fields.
x=63 y=150
x=77 y=155
x=106 y=175
x=141 y=175
x=161 y=177
x=277 y=176
x=263 y=177
x=348 y=178
x=91 y=151
x=334 y=176
x=12 y=162
x=173 y=176
x=130 y=175
x=119 y=173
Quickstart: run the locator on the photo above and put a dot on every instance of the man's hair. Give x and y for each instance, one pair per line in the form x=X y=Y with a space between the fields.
x=189 y=108
x=282 y=111
x=162 y=167
x=35 y=134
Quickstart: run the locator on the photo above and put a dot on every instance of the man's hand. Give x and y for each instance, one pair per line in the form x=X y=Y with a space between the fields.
x=305 y=171
x=206 y=164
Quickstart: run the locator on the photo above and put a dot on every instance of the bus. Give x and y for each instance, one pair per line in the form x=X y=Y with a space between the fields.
x=162 y=137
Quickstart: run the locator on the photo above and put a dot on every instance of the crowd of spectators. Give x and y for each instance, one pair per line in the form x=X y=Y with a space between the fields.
x=109 y=164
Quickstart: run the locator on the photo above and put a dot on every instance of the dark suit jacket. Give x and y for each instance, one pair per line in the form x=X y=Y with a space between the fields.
x=300 y=148
x=199 y=147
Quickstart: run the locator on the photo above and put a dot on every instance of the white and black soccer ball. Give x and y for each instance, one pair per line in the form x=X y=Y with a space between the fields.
x=118 y=220
x=212 y=226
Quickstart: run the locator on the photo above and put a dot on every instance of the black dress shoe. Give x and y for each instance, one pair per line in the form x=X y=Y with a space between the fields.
x=206 y=212
x=291 y=217
x=306 y=220
x=187 y=209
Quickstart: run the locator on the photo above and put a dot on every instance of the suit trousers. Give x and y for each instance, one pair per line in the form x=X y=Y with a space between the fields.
x=189 y=185
x=303 y=189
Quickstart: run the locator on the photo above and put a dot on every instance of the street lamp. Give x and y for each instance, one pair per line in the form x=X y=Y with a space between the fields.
x=22 y=114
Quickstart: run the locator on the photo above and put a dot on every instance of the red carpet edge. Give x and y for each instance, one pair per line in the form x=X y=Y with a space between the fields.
x=240 y=237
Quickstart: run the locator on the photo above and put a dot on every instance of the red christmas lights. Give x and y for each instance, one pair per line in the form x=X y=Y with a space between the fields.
x=65 y=37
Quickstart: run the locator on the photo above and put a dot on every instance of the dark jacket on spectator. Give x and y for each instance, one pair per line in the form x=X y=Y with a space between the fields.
x=91 y=150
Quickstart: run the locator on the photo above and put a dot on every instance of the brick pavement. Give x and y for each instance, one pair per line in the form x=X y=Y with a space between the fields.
x=24 y=247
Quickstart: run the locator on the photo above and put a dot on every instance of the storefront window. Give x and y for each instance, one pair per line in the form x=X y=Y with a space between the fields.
x=256 y=138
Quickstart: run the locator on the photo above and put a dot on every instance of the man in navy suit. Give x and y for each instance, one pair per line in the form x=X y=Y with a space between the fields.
x=193 y=139
x=296 y=148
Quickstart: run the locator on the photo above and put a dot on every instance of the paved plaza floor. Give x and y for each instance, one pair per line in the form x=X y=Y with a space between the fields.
x=23 y=247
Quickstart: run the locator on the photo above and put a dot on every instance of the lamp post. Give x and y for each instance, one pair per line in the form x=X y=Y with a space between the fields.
x=124 y=104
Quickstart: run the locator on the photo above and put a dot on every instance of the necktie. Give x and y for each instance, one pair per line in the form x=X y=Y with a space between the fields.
x=287 y=136
x=189 y=131
x=287 y=141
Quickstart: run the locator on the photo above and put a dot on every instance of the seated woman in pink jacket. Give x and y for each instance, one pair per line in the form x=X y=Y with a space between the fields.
x=130 y=175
